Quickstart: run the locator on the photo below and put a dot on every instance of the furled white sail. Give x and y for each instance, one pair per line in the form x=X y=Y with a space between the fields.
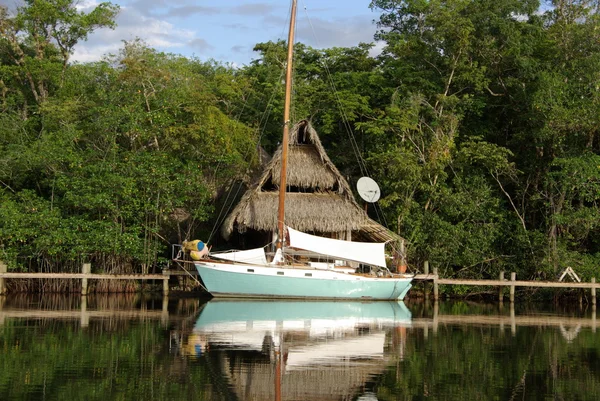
x=254 y=256
x=364 y=252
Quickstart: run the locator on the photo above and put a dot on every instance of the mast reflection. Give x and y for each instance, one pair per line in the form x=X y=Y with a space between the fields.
x=286 y=350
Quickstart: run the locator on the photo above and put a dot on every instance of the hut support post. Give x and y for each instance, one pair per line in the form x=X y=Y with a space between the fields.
x=513 y=278
x=86 y=269
x=401 y=266
x=501 y=290
x=3 y=269
x=594 y=291
x=436 y=290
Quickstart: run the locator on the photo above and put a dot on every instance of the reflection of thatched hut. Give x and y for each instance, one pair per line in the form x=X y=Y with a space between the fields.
x=326 y=367
x=318 y=200
x=251 y=378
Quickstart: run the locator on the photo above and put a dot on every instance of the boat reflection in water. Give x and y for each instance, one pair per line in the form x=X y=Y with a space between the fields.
x=283 y=350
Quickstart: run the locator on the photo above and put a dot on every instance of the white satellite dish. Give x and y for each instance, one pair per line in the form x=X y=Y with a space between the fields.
x=368 y=189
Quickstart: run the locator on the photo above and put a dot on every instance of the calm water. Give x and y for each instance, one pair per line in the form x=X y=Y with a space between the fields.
x=128 y=348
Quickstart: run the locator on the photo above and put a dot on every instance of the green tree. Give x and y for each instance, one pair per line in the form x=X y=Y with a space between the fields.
x=37 y=42
x=120 y=158
x=437 y=60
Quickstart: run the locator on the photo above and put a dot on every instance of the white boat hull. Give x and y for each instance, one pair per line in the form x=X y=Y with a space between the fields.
x=255 y=281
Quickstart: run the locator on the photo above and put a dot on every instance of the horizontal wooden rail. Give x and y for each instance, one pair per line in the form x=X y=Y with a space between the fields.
x=502 y=283
x=488 y=320
x=508 y=283
x=84 y=276
x=180 y=272
x=84 y=315
x=424 y=277
x=93 y=276
x=76 y=314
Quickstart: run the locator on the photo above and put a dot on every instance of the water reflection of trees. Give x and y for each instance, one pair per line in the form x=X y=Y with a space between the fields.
x=122 y=352
x=473 y=353
x=484 y=353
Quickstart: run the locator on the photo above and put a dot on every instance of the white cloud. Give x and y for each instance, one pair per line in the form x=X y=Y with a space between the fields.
x=131 y=25
x=226 y=30
x=377 y=49
x=12 y=5
x=87 y=55
x=189 y=10
x=86 y=5
x=253 y=9
x=200 y=44
x=346 y=32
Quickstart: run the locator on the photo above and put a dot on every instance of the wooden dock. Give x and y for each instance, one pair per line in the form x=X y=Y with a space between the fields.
x=434 y=277
x=502 y=283
x=569 y=326
x=166 y=314
x=84 y=276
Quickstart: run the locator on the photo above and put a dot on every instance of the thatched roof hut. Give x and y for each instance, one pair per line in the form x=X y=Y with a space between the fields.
x=318 y=198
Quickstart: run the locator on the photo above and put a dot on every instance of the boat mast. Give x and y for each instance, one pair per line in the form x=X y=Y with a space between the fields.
x=286 y=128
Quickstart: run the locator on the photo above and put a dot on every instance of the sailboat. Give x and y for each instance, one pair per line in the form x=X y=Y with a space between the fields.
x=304 y=266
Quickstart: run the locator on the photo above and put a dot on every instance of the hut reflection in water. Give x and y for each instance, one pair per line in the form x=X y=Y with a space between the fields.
x=299 y=350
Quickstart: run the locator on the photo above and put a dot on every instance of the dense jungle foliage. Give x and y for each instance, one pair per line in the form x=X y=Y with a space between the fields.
x=479 y=119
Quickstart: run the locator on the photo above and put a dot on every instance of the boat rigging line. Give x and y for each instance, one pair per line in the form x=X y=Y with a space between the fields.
x=234 y=192
x=345 y=121
x=261 y=130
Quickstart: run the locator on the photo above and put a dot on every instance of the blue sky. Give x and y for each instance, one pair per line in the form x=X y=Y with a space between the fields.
x=226 y=30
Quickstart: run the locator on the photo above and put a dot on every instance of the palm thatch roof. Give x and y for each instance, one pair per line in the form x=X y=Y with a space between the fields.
x=318 y=197
x=321 y=212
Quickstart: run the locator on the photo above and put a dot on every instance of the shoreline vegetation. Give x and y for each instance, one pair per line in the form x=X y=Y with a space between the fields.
x=479 y=120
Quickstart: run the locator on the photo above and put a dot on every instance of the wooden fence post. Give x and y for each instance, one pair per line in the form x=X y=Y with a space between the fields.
x=3 y=269
x=513 y=323
x=86 y=269
x=166 y=286
x=594 y=291
x=164 y=316
x=426 y=283
x=436 y=290
x=501 y=290
x=513 y=277
x=436 y=314
x=84 y=319
x=1 y=314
